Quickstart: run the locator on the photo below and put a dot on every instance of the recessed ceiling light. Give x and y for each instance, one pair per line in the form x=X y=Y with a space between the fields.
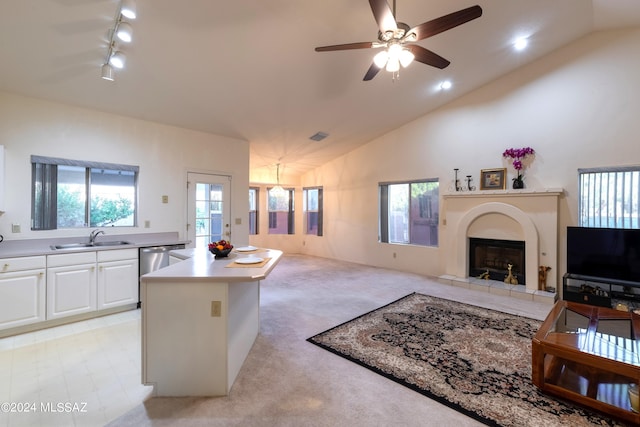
x=520 y=43
x=445 y=85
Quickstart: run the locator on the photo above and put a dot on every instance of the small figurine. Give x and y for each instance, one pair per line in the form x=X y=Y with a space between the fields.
x=510 y=279
x=542 y=277
x=484 y=275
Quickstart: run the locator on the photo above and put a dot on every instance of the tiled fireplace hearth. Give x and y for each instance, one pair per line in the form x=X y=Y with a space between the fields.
x=529 y=216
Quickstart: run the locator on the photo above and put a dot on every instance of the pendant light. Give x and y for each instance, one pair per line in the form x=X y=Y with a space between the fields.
x=277 y=190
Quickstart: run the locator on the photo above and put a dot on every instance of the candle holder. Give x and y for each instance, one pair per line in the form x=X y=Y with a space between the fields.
x=457 y=181
x=469 y=186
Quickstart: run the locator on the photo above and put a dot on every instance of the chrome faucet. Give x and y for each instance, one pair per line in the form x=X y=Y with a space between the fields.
x=93 y=235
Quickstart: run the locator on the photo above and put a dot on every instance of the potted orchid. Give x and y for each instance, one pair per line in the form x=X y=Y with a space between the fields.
x=517 y=155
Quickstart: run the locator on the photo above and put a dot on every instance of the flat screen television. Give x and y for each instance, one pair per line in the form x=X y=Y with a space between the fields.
x=611 y=253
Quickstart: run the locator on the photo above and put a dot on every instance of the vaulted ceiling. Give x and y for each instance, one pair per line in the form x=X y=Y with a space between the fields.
x=247 y=68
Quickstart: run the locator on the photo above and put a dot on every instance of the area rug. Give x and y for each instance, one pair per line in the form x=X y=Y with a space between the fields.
x=474 y=360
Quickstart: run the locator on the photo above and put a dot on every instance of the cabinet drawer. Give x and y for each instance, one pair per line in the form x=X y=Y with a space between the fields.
x=22 y=263
x=117 y=255
x=71 y=259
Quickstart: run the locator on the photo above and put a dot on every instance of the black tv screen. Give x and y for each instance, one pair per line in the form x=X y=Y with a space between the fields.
x=611 y=253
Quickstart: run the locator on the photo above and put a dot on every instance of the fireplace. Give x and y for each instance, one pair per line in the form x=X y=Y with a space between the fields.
x=492 y=257
x=528 y=215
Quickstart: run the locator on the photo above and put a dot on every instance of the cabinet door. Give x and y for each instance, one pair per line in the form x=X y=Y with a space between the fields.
x=71 y=290
x=117 y=283
x=23 y=298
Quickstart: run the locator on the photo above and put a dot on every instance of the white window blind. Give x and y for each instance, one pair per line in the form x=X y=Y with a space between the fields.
x=609 y=197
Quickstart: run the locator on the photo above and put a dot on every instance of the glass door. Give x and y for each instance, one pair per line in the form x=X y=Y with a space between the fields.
x=208 y=209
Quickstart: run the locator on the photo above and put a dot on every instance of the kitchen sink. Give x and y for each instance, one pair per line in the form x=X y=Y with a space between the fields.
x=89 y=245
x=116 y=243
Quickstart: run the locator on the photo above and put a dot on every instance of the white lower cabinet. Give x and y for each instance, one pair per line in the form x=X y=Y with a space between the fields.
x=71 y=284
x=41 y=288
x=22 y=291
x=117 y=278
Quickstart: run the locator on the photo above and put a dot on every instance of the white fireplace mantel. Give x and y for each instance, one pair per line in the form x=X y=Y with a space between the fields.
x=529 y=215
x=506 y=193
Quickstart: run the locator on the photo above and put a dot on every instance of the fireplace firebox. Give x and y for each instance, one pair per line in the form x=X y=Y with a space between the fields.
x=490 y=258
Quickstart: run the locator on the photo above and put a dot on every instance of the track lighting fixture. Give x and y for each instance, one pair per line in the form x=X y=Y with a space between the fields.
x=120 y=32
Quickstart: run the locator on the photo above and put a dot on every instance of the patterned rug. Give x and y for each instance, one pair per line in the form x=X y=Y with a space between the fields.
x=474 y=360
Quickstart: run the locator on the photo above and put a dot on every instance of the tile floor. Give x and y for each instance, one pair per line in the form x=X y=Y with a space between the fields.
x=82 y=374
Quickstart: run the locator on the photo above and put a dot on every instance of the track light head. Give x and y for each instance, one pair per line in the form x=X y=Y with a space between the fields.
x=128 y=9
x=124 y=32
x=117 y=59
x=107 y=72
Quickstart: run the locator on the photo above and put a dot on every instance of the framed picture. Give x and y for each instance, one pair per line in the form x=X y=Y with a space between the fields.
x=493 y=179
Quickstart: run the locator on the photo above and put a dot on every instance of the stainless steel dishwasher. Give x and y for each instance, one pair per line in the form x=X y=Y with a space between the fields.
x=154 y=258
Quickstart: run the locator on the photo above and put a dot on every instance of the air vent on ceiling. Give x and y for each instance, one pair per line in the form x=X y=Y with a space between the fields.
x=319 y=136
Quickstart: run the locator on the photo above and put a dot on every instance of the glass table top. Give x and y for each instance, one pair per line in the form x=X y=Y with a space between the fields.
x=597 y=331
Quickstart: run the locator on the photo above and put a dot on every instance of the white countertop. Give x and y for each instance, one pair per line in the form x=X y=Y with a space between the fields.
x=35 y=247
x=201 y=265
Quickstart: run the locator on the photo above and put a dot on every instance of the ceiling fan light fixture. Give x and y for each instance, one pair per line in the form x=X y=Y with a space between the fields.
x=393 y=65
x=394 y=50
x=406 y=58
x=381 y=59
x=394 y=35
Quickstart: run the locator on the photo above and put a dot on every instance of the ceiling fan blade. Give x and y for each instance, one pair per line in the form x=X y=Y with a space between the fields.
x=347 y=46
x=427 y=57
x=444 y=23
x=383 y=15
x=371 y=72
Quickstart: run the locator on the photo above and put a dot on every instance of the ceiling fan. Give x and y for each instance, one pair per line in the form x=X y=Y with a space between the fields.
x=398 y=38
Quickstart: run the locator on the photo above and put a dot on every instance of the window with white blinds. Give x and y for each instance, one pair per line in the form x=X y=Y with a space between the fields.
x=609 y=197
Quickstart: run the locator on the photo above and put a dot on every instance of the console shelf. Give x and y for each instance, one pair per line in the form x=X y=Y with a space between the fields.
x=600 y=291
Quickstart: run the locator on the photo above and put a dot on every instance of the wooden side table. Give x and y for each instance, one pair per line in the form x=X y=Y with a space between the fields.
x=589 y=355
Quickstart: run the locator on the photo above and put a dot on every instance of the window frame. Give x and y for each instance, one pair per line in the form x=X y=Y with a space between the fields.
x=290 y=212
x=254 y=214
x=44 y=189
x=319 y=211
x=621 y=182
x=384 y=214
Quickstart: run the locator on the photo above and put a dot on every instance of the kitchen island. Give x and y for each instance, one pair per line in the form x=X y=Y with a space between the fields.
x=200 y=318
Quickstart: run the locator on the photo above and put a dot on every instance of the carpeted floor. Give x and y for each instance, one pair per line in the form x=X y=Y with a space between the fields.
x=287 y=381
x=475 y=360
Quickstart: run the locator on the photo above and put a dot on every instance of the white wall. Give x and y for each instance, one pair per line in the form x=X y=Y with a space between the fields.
x=577 y=107
x=164 y=154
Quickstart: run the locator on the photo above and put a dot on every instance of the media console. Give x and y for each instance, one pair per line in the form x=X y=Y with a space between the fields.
x=600 y=291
